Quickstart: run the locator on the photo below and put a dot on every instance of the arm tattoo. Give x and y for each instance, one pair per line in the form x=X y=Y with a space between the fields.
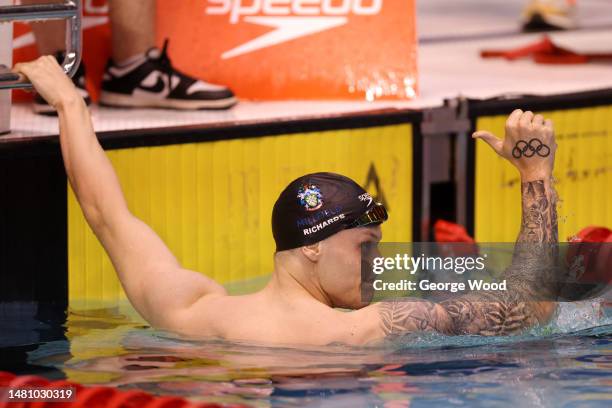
x=539 y=213
x=402 y=316
x=487 y=314
x=494 y=313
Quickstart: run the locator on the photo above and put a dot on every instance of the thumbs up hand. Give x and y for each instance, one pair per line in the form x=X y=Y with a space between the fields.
x=529 y=144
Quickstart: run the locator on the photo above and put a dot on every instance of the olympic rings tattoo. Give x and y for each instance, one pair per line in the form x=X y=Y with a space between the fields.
x=530 y=149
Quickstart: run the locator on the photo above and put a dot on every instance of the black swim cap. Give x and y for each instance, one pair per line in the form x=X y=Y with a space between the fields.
x=316 y=206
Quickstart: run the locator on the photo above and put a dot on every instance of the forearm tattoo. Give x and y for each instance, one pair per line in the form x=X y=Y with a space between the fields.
x=539 y=220
x=494 y=313
x=533 y=269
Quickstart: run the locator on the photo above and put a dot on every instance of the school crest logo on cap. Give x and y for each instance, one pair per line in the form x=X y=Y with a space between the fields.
x=310 y=197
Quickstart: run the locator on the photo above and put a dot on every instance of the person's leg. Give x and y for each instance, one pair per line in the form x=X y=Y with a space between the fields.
x=141 y=75
x=133 y=28
x=50 y=35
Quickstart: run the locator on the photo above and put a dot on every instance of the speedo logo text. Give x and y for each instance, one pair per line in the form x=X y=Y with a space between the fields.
x=292 y=19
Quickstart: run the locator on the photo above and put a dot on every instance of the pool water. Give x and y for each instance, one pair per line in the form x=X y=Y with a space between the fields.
x=565 y=364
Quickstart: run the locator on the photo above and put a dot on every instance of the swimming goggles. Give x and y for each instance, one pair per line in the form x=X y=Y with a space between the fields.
x=374 y=215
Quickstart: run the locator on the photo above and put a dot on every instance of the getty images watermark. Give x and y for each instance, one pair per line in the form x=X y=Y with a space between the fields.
x=441 y=270
x=413 y=264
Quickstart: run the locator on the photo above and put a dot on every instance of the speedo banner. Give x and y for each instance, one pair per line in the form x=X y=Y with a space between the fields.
x=273 y=49
x=297 y=49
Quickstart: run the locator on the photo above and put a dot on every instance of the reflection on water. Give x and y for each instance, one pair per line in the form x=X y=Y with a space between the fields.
x=568 y=363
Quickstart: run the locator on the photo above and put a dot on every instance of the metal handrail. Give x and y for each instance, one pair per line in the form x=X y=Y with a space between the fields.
x=70 y=11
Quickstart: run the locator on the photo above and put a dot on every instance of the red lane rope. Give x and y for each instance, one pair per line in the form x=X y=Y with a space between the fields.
x=97 y=396
x=130 y=399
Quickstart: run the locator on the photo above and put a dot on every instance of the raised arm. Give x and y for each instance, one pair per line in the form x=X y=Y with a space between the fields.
x=531 y=274
x=152 y=277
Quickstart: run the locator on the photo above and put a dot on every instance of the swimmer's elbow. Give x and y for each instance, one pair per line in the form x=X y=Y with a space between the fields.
x=197 y=319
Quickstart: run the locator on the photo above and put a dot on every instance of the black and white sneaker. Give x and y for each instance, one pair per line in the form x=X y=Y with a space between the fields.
x=549 y=15
x=41 y=106
x=153 y=82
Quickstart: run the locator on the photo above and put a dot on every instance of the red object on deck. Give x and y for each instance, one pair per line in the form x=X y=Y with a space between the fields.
x=454 y=240
x=596 y=259
x=546 y=52
x=446 y=231
x=593 y=234
x=97 y=396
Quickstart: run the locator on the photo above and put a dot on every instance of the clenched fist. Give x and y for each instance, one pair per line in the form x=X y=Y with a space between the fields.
x=49 y=80
x=529 y=144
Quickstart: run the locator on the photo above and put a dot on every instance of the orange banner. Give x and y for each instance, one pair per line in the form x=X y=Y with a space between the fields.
x=275 y=49
x=297 y=49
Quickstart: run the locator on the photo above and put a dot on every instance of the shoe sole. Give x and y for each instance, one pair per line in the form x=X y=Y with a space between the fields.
x=125 y=101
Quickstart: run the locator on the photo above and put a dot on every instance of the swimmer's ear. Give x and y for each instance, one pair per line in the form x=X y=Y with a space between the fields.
x=312 y=252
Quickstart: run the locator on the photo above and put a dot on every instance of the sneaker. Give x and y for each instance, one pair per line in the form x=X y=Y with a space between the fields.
x=42 y=107
x=548 y=15
x=154 y=83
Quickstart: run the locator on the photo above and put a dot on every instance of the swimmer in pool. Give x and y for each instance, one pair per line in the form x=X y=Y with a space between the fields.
x=319 y=223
